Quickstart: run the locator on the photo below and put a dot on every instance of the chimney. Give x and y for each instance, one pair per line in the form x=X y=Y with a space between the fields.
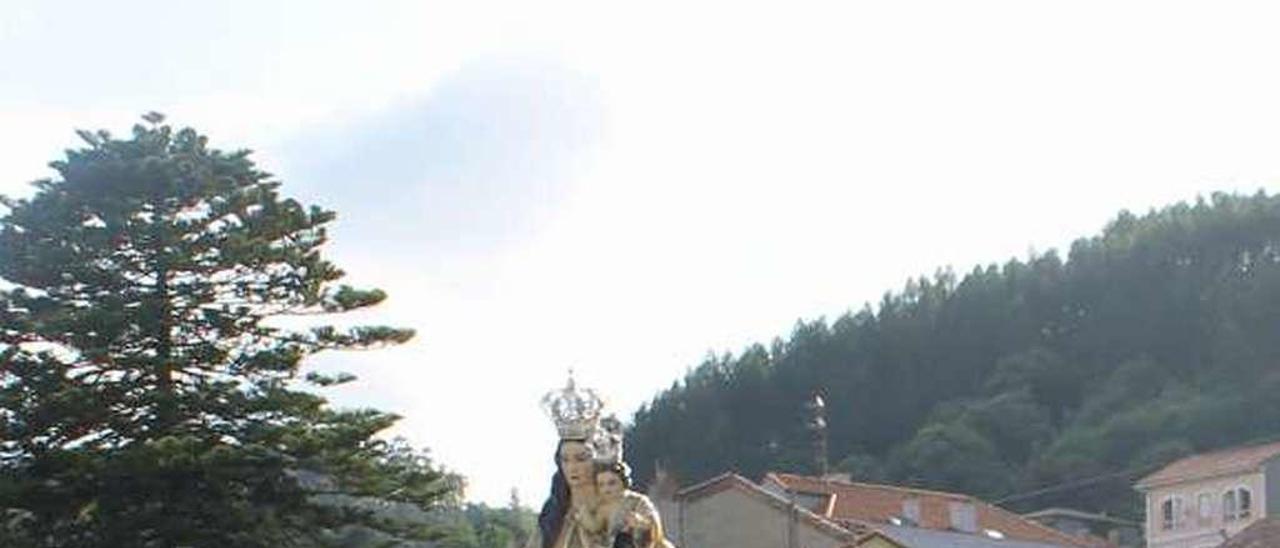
x=964 y=516
x=664 y=486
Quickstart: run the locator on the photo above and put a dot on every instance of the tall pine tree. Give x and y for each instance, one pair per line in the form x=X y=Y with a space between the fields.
x=146 y=399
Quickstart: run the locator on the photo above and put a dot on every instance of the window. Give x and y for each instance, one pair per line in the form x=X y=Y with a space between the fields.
x=1171 y=513
x=1204 y=509
x=911 y=510
x=964 y=516
x=1237 y=504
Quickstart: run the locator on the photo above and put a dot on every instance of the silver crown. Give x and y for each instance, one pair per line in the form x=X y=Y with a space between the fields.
x=606 y=444
x=576 y=411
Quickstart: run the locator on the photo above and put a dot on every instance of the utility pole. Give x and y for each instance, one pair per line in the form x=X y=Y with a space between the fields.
x=818 y=430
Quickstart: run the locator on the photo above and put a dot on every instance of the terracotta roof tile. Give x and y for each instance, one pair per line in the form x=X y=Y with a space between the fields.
x=1264 y=533
x=1207 y=465
x=873 y=504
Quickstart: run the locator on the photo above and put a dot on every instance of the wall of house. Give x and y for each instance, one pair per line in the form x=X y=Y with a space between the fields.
x=735 y=518
x=669 y=512
x=1193 y=531
x=1272 y=471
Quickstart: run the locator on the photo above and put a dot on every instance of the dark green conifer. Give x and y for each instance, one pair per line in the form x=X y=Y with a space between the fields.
x=147 y=397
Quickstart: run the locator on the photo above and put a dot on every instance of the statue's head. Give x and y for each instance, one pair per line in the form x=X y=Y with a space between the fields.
x=612 y=479
x=576 y=463
x=576 y=412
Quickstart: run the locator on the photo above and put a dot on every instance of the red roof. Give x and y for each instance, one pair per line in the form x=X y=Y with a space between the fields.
x=871 y=503
x=1208 y=465
x=1264 y=533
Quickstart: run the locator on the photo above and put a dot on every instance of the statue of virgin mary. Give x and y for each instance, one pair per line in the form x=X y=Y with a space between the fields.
x=575 y=512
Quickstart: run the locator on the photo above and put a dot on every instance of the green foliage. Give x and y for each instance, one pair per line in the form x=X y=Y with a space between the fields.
x=145 y=397
x=952 y=454
x=479 y=526
x=1150 y=341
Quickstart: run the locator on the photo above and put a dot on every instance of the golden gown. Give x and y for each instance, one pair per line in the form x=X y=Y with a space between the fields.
x=633 y=502
x=572 y=535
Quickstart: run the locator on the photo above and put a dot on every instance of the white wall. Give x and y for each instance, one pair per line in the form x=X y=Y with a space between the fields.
x=1194 y=533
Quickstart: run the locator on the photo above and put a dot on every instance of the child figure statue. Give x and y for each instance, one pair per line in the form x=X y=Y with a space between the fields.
x=624 y=518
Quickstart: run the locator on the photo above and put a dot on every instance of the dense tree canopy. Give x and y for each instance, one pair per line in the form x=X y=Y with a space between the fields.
x=147 y=397
x=1152 y=340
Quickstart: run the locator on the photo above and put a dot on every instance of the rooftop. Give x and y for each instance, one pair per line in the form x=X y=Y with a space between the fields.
x=1264 y=533
x=1207 y=465
x=1048 y=513
x=883 y=505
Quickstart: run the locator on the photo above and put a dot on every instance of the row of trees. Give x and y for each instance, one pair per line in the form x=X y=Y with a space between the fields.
x=1152 y=340
x=148 y=397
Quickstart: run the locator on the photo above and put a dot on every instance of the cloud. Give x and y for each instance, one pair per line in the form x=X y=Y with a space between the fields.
x=479 y=162
x=437 y=196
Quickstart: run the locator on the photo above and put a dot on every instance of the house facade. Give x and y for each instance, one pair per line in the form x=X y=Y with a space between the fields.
x=1203 y=500
x=730 y=510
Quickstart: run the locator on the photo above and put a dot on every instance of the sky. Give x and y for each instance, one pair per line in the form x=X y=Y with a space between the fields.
x=622 y=188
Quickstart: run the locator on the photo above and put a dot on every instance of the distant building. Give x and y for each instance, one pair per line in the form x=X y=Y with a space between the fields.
x=1202 y=500
x=730 y=510
x=792 y=511
x=920 y=517
x=1119 y=532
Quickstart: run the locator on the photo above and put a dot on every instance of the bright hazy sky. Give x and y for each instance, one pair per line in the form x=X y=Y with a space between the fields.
x=622 y=187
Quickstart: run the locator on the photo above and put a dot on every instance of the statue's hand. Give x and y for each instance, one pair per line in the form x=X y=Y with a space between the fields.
x=584 y=512
x=636 y=520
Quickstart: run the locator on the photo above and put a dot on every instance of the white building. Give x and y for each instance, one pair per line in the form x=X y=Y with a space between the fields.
x=1202 y=500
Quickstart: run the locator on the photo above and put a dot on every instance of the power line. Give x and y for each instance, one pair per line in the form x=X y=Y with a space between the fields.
x=1076 y=483
x=1137 y=469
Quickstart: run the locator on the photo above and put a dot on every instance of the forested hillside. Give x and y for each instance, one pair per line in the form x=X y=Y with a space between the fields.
x=1157 y=338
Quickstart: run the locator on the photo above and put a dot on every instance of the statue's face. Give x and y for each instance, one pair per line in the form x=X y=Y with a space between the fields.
x=609 y=485
x=575 y=462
